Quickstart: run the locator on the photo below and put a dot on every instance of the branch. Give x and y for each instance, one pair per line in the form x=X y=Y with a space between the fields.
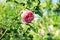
x=3 y=34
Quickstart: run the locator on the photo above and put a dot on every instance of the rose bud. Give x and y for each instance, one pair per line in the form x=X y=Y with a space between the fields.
x=27 y=16
x=41 y=32
x=57 y=32
x=50 y=28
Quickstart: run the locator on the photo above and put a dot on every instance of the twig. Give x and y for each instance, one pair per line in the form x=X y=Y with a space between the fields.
x=3 y=34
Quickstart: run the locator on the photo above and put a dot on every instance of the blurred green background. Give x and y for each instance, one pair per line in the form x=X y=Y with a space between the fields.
x=45 y=26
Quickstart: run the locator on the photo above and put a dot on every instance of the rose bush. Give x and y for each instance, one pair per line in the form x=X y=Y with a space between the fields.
x=40 y=21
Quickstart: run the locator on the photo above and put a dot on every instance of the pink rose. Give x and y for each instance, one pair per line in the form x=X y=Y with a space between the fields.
x=27 y=16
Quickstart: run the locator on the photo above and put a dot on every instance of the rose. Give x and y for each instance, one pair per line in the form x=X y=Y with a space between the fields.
x=27 y=16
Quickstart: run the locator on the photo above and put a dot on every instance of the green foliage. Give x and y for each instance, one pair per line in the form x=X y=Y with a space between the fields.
x=11 y=27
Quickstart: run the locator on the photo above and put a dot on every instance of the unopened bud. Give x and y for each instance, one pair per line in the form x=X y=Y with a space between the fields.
x=50 y=28
x=41 y=32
